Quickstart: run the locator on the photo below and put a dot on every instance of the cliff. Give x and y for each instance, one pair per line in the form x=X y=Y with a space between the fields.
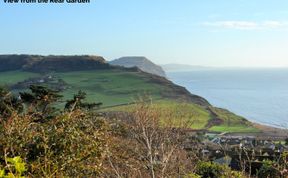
x=37 y=63
x=67 y=64
x=141 y=62
x=16 y=62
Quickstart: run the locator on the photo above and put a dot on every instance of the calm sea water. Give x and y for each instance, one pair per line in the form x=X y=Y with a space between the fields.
x=260 y=95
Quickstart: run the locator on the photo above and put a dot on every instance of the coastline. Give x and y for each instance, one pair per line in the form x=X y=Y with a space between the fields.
x=259 y=96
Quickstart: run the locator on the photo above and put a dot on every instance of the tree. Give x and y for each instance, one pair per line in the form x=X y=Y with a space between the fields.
x=158 y=144
x=41 y=101
x=78 y=102
x=9 y=103
x=148 y=142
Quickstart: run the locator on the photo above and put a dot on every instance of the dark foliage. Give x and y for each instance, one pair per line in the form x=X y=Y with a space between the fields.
x=40 y=101
x=268 y=170
x=78 y=102
x=9 y=103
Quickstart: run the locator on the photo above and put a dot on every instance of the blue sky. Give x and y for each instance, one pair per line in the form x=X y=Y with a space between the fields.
x=246 y=33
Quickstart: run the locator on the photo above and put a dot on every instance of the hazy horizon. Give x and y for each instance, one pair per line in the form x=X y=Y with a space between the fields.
x=161 y=64
x=204 y=33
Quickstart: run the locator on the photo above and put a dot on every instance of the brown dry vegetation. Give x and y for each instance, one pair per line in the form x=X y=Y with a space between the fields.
x=80 y=143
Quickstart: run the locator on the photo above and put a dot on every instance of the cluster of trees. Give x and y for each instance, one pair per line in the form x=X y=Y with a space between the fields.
x=49 y=142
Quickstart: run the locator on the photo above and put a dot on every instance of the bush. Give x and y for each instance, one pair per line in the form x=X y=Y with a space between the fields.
x=42 y=141
x=70 y=144
x=15 y=167
x=268 y=170
x=213 y=170
x=192 y=175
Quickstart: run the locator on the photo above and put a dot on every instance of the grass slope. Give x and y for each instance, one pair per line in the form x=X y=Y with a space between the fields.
x=231 y=122
x=116 y=87
x=111 y=87
x=12 y=77
x=194 y=116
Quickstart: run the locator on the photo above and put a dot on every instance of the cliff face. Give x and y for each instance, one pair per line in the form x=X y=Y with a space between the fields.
x=16 y=62
x=67 y=63
x=35 y=63
x=141 y=62
x=177 y=92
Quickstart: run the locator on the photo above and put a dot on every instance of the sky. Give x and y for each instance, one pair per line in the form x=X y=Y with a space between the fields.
x=237 y=33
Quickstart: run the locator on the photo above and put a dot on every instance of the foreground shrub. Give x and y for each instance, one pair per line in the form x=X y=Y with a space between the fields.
x=9 y=103
x=268 y=170
x=15 y=167
x=75 y=142
x=192 y=175
x=68 y=145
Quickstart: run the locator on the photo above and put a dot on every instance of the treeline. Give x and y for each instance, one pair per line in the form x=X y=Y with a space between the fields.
x=39 y=140
x=43 y=64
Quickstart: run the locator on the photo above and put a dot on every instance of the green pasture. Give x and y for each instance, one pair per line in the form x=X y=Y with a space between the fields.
x=116 y=87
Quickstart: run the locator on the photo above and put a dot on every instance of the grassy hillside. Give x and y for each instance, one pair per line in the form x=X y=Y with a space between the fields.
x=115 y=87
x=111 y=87
x=12 y=77
x=194 y=116
x=231 y=122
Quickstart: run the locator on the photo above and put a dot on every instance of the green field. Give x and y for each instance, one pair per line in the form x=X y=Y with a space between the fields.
x=182 y=114
x=117 y=87
x=193 y=116
x=12 y=77
x=111 y=87
x=233 y=128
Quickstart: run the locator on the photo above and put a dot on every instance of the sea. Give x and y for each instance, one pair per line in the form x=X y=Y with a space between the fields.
x=260 y=95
